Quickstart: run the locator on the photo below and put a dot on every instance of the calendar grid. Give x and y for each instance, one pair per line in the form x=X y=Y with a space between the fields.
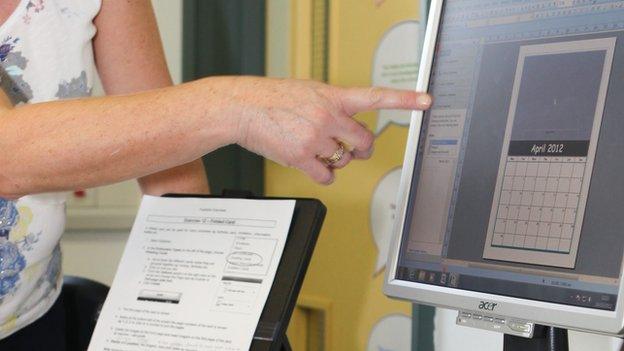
x=538 y=203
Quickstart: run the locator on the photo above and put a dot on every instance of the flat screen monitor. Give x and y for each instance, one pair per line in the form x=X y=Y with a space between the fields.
x=511 y=203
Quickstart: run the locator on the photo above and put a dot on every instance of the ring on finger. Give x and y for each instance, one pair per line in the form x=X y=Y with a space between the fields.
x=336 y=157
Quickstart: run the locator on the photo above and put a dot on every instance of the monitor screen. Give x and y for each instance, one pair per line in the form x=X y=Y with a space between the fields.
x=518 y=186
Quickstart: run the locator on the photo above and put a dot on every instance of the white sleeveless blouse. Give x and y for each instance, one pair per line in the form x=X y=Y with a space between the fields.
x=45 y=54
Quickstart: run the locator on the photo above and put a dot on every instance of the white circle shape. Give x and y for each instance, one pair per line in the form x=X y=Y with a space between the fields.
x=382 y=215
x=395 y=65
x=391 y=333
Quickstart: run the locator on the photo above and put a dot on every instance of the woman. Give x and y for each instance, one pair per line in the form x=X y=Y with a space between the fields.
x=146 y=129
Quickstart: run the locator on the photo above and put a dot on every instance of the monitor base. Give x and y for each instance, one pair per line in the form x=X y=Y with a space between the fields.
x=544 y=339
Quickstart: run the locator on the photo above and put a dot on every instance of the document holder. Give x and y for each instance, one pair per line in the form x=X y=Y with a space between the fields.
x=270 y=335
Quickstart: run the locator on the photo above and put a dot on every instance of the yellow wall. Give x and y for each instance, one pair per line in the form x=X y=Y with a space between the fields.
x=341 y=275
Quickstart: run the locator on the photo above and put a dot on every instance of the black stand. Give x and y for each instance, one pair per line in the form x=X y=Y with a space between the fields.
x=544 y=339
x=308 y=216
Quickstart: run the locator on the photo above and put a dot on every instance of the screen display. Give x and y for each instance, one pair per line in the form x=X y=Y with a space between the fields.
x=518 y=186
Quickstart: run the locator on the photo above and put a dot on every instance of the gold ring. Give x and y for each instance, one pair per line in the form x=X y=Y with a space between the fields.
x=337 y=156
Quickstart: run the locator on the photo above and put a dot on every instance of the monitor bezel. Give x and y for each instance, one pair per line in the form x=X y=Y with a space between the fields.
x=546 y=313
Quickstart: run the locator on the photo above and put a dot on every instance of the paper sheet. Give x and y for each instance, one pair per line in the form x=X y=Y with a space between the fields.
x=195 y=275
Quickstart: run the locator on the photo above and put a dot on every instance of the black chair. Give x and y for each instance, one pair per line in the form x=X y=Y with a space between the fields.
x=83 y=300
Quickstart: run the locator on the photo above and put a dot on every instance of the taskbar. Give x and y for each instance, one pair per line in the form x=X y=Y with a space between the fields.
x=523 y=290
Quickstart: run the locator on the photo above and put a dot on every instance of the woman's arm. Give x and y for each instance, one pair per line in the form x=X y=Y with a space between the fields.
x=90 y=142
x=83 y=143
x=134 y=64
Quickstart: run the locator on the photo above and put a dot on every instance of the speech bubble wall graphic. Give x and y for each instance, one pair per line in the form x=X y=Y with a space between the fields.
x=395 y=65
x=391 y=333
x=383 y=213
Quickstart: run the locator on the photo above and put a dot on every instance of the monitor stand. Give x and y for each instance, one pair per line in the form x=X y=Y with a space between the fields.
x=544 y=339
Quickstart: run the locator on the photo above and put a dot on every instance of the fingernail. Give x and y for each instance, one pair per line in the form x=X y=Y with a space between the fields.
x=424 y=101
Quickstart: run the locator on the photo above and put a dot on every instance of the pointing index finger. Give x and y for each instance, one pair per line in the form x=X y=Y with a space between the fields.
x=356 y=100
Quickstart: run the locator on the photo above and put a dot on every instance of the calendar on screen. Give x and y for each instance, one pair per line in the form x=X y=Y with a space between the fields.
x=548 y=152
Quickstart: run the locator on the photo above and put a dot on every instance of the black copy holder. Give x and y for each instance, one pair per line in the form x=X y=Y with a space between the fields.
x=270 y=335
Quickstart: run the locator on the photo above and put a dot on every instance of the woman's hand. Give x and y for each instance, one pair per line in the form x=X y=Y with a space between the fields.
x=300 y=123
x=295 y=123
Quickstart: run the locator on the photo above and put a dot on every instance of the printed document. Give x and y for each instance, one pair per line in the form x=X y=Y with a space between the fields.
x=195 y=275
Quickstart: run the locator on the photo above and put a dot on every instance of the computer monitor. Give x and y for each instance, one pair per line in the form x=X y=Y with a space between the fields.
x=511 y=202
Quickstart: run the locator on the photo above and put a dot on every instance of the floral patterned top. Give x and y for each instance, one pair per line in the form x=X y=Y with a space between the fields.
x=45 y=54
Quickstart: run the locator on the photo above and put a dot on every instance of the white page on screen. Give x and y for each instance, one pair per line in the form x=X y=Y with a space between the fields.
x=195 y=275
x=548 y=153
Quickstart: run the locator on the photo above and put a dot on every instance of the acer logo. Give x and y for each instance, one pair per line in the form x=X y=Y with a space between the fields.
x=488 y=306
